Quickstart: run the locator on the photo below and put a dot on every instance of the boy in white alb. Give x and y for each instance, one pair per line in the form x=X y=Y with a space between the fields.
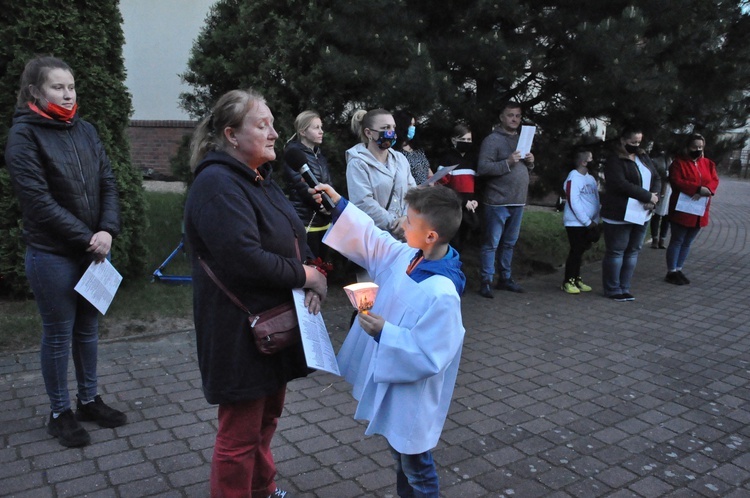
x=402 y=356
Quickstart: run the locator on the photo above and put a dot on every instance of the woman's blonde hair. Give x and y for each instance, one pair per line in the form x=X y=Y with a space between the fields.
x=303 y=122
x=229 y=111
x=363 y=119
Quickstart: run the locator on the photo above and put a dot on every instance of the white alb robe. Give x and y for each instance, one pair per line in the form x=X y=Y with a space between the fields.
x=404 y=383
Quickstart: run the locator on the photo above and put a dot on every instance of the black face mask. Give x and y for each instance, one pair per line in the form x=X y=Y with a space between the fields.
x=695 y=154
x=631 y=149
x=464 y=147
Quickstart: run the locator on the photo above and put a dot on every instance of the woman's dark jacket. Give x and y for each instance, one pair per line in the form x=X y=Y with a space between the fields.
x=63 y=180
x=244 y=228
x=297 y=189
x=622 y=180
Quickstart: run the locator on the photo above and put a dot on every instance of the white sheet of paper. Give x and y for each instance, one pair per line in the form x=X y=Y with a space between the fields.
x=441 y=172
x=315 y=341
x=99 y=285
x=526 y=139
x=686 y=204
x=635 y=213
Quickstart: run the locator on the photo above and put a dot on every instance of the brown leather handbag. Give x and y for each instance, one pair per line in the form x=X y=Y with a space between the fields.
x=273 y=330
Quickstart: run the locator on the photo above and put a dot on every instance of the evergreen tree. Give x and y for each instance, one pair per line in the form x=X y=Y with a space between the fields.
x=670 y=67
x=649 y=63
x=87 y=34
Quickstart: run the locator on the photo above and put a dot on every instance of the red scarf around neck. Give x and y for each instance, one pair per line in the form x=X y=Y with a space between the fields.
x=54 y=111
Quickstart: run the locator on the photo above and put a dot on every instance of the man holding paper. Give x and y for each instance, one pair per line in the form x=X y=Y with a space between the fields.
x=505 y=171
x=694 y=181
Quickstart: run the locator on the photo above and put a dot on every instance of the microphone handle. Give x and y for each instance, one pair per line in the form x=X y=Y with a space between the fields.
x=327 y=205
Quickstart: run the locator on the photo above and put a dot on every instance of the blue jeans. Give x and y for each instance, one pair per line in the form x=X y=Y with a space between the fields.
x=416 y=475
x=66 y=317
x=679 y=245
x=502 y=224
x=622 y=245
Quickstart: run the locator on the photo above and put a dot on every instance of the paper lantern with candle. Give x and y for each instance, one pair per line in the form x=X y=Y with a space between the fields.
x=362 y=295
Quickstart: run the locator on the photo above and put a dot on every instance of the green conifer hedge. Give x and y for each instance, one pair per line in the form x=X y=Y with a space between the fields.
x=88 y=35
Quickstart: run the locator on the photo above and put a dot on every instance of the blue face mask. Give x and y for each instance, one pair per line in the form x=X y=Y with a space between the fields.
x=386 y=139
x=410 y=132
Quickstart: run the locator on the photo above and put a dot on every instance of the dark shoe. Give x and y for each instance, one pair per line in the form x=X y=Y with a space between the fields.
x=485 y=290
x=654 y=244
x=279 y=494
x=509 y=285
x=673 y=277
x=627 y=296
x=98 y=412
x=620 y=298
x=682 y=278
x=661 y=244
x=67 y=430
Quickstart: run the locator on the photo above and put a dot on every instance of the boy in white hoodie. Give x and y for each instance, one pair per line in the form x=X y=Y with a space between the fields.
x=581 y=220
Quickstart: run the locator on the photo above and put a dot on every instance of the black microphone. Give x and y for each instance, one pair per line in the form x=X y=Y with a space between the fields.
x=297 y=160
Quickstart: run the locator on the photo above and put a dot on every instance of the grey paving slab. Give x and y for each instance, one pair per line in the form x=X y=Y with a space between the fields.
x=558 y=396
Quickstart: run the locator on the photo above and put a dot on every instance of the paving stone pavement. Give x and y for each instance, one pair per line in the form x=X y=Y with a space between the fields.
x=558 y=396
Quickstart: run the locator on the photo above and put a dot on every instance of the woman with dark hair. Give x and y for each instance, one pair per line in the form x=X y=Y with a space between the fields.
x=241 y=227
x=462 y=179
x=406 y=129
x=71 y=213
x=631 y=183
x=691 y=175
x=660 y=221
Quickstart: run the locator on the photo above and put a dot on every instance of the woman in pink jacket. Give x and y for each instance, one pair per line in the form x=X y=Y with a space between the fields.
x=693 y=178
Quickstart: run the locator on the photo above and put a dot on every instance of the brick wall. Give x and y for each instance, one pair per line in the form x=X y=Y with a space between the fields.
x=153 y=143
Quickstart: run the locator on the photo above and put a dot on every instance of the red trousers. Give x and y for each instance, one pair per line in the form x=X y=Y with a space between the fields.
x=242 y=465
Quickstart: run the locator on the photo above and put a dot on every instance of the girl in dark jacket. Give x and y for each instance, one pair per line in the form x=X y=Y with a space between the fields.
x=240 y=223
x=463 y=180
x=308 y=138
x=68 y=197
x=630 y=185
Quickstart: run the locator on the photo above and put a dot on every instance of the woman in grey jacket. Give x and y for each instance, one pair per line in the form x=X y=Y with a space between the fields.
x=377 y=176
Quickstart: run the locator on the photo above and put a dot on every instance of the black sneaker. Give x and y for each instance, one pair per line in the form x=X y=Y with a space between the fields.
x=627 y=296
x=682 y=278
x=509 y=285
x=485 y=290
x=67 y=430
x=98 y=412
x=620 y=298
x=673 y=277
x=279 y=494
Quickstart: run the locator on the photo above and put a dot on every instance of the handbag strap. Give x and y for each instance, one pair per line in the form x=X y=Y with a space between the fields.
x=221 y=286
x=229 y=294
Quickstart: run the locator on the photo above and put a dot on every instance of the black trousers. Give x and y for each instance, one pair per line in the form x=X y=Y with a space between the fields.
x=579 y=243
